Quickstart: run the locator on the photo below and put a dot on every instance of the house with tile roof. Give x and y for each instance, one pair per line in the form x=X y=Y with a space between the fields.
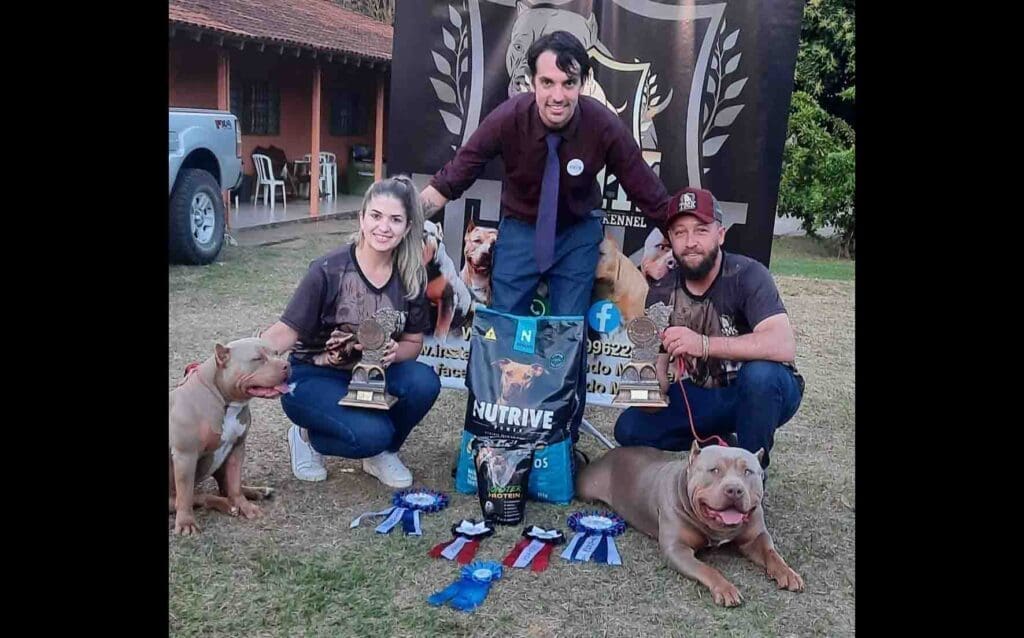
x=303 y=77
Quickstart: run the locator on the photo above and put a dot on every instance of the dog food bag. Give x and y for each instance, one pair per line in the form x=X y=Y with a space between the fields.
x=521 y=376
x=502 y=474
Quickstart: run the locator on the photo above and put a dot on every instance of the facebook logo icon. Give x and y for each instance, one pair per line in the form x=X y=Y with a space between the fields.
x=604 y=316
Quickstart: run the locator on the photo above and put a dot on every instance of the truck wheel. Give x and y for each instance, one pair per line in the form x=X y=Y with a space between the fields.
x=196 y=218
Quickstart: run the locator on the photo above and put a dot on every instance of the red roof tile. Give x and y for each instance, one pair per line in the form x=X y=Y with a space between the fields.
x=318 y=24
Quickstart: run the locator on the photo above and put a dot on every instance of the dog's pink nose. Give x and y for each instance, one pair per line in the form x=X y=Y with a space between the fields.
x=734 y=491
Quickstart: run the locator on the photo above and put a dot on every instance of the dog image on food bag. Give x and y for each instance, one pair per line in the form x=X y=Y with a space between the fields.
x=516 y=379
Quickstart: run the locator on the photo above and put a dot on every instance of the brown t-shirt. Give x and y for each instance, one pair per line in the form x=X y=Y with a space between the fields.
x=335 y=295
x=742 y=296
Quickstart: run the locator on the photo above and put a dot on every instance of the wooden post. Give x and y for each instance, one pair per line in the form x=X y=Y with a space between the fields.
x=378 y=144
x=314 y=158
x=223 y=80
x=224 y=104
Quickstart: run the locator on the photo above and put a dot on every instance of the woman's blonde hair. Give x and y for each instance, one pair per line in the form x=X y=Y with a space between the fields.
x=408 y=257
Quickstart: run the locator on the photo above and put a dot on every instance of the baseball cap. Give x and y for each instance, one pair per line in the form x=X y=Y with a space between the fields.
x=694 y=201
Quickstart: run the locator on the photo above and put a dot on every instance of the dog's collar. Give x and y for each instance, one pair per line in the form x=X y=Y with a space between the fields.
x=195 y=371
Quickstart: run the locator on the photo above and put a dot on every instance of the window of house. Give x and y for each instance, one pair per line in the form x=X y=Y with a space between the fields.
x=348 y=113
x=257 y=103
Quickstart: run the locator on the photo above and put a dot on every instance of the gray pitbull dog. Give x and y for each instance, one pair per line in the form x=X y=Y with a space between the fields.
x=208 y=421
x=710 y=499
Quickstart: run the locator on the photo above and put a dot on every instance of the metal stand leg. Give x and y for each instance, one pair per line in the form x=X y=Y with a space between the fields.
x=585 y=426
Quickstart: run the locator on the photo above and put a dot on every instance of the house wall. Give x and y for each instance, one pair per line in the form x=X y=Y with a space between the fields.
x=192 y=75
x=192 y=82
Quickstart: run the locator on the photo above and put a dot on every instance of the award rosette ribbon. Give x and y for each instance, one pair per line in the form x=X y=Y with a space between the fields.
x=470 y=590
x=405 y=509
x=534 y=549
x=594 y=539
x=467 y=535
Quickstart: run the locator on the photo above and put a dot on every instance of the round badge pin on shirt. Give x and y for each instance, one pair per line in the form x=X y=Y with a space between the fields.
x=575 y=167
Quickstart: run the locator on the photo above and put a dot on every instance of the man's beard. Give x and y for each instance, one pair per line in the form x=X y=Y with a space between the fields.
x=702 y=269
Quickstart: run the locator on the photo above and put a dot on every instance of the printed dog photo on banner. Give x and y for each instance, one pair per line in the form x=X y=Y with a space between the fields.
x=450 y=298
x=454 y=289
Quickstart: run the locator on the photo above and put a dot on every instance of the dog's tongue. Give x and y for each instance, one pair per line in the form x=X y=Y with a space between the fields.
x=731 y=516
x=269 y=392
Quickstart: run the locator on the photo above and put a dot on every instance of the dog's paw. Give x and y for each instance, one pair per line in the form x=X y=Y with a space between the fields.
x=787 y=578
x=247 y=509
x=260 y=493
x=726 y=594
x=185 y=525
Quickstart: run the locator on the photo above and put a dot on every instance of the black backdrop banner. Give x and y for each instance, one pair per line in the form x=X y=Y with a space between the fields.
x=703 y=86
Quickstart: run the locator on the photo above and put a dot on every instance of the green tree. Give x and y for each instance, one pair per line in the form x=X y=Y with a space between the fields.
x=380 y=10
x=819 y=162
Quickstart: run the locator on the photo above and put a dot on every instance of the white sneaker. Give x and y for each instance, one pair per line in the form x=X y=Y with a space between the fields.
x=307 y=463
x=387 y=467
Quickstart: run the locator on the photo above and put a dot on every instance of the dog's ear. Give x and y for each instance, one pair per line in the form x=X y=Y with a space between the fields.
x=501 y=363
x=759 y=454
x=694 y=451
x=537 y=369
x=471 y=226
x=222 y=353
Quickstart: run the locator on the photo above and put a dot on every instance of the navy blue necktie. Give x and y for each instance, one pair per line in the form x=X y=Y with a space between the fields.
x=547 y=209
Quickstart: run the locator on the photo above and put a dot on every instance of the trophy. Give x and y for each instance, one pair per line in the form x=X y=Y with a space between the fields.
x=639 y=386
x=367 y=387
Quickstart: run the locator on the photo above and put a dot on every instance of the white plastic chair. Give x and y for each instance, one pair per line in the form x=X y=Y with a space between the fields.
x=329 y=173
x=265 y=178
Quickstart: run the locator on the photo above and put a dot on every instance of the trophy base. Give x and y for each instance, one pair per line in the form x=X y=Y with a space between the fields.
x=640 y=396
x=373 y=398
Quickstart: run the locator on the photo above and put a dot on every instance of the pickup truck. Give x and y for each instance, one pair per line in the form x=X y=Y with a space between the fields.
x=204 y=160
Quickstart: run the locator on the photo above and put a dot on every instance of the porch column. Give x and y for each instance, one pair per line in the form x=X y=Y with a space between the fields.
x=378 y=144
x=224 y=104
x=314 y=158
x=223 y=80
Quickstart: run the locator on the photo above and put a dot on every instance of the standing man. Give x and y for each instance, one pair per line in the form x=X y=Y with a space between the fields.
x=553 y=143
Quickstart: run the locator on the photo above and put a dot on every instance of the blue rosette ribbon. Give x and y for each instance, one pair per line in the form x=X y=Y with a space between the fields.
x=406 y=506
x=594 y=538
x=472 y=587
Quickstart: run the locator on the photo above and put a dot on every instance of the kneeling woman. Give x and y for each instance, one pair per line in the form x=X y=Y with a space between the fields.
x=381 y=268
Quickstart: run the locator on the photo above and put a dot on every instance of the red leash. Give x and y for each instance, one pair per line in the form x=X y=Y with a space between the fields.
x=682 y=368
x=189 y=369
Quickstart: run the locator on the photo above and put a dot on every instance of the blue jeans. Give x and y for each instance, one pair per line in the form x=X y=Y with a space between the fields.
x=763 y=396
x=514 y=279
x=357 y=433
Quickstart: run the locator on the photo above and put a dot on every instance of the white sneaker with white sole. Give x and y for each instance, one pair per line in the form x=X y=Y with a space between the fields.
x=389 y=469
x=307 y=463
